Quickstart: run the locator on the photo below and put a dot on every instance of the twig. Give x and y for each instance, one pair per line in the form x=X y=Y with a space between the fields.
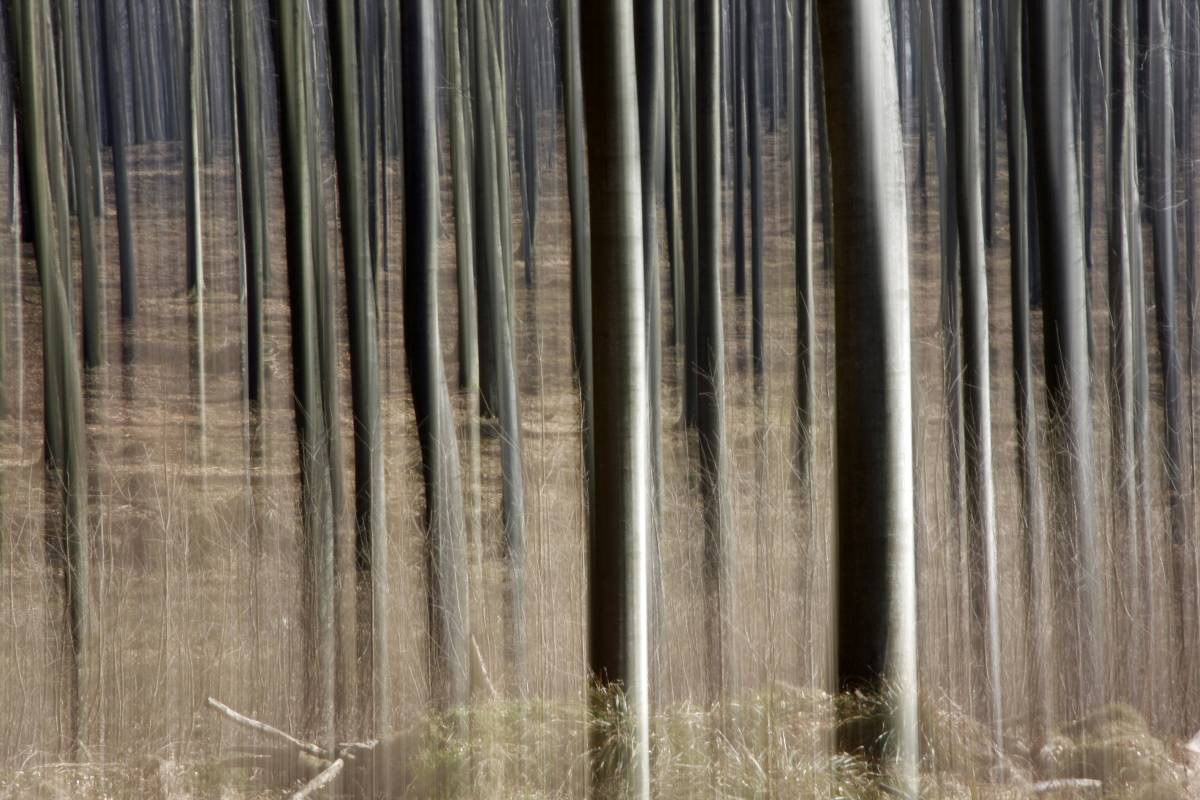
x=269 y=730
x=323 y=779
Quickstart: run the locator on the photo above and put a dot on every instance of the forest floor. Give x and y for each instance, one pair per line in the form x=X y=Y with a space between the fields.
x=197 y=576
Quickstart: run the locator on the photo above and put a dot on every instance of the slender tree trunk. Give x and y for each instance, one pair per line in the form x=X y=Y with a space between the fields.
x=686 y=51
x=648 y=29
x=982 y=573
x=527 y=126
x=66 y=466
x=581 y=246
x=710 y=350
x=293 y=40
x=754 y=150
x=620 y=540
x=1036 y=551
x=1162 y=203
x=446 y=555
x=802 y=213
x=82 y=146
x=1124 y=225
x=252 y=159
x=369 y=495
x=1065 y=329
x=192 y=86
x=875 y=563
x=114 y=98
x=464 y=251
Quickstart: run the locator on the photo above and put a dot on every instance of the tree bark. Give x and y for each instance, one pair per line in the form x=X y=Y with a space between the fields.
x=445 y=527
x=710 y=352
x=620 y=540
x=1076 y=580
x=982 y=572
x=875 y=563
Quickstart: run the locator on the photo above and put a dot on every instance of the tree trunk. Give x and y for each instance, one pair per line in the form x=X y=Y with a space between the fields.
x=369 y=494
x=446 y=555
x=581 y=246
x=754 y=151
x=252 y=159
x=66 y=467
x=1065 y=331
x=114 y=99
x=293 y=42
x=85 y=177
x=1124 y=225
x=982 y=572
x=620 y=539
x=802 y=202
x=1036 y=552
x=710 y=351
x=1162 y=203
x=874 y=568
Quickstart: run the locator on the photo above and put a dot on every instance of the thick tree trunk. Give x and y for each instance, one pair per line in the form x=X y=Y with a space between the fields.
x=875 y=563
x=620 y=540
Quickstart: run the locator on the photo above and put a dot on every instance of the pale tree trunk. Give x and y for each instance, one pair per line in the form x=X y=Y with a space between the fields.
x=875 y=569
x=618 y=552
x=648 y=28
x=464 y=253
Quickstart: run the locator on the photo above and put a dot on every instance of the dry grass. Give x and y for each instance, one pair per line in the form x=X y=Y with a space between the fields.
x=196 y=585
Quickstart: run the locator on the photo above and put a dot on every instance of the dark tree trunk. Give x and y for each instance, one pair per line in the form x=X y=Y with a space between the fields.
x=618 y=553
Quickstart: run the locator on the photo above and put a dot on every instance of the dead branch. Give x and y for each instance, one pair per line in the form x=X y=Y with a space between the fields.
x=320 y=781
x=269 y=730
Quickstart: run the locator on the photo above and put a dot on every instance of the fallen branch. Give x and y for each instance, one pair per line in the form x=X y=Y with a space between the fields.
x=320 y=781
x=269 y=730
x=1041 y=787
